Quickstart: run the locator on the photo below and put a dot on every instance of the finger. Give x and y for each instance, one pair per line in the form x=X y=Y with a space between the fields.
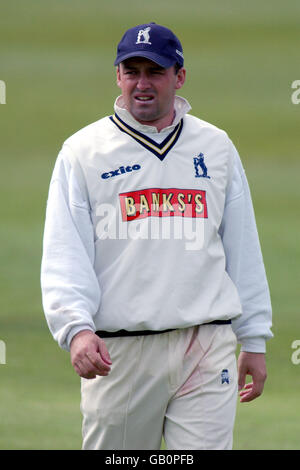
x=99 y=366
x=251 y=393
x=241 y=379
x=246 y=390
x=87 y=369
x=247 y=386
x=248 y=397
x=104 y=352
x=92 y=370
x=77 y=369
x=81 y=371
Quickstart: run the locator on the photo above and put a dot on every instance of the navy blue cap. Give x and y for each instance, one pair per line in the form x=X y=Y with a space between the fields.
x=152 y=41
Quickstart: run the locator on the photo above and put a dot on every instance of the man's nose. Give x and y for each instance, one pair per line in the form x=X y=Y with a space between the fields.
x=143 y=82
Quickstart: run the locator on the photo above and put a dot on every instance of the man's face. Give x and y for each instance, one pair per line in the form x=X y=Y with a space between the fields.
x=149 y=90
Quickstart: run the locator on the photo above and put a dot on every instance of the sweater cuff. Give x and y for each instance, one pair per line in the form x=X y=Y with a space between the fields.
x=74 y=332
x=255 y=345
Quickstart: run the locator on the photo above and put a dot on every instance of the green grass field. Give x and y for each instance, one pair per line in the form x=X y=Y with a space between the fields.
x=56 y=59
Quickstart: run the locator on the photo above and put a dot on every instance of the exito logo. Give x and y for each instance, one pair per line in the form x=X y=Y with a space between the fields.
x=2 y=352
x=296 y=94
x=2 y=92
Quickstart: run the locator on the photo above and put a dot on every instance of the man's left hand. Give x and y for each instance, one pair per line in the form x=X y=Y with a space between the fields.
x=253 y=364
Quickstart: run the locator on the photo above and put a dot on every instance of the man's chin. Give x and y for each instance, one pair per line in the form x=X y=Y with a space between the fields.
x=144 y=117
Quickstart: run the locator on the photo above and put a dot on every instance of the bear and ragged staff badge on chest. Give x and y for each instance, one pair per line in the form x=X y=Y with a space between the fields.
x=200 y=166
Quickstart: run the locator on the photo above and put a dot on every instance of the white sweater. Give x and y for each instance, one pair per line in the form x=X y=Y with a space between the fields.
x=138 y=235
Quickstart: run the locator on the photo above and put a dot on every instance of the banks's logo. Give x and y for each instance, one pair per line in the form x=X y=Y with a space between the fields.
x=199 y=164
x=120 y=171
x=157 y=202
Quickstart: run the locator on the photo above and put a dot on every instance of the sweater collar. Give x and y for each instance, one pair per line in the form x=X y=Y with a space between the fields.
x=181 y=106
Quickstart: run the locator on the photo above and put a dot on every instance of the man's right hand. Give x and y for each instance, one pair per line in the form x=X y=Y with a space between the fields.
x=89 y=355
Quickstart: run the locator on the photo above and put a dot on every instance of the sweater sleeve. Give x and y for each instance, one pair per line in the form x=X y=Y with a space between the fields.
x=70 y=289
x=244 y=262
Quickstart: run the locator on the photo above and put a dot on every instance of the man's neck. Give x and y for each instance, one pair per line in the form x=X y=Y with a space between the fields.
x=160 y=124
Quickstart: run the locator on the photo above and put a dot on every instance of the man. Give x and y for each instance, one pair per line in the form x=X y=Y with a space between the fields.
x=152 y=268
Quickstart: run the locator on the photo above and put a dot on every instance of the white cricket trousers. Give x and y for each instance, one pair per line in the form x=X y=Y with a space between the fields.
x=181 y=385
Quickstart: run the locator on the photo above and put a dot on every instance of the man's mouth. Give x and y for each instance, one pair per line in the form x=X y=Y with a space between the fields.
x=144 y=98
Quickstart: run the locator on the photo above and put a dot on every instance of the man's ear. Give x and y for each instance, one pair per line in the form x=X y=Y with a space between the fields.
x=180 y=78
x=118 y=76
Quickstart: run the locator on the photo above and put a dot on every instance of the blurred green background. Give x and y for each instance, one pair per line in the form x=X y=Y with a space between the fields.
x=56 y=59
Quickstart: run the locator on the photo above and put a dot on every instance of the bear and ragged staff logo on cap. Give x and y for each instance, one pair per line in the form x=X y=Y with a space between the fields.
x=143 y=36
